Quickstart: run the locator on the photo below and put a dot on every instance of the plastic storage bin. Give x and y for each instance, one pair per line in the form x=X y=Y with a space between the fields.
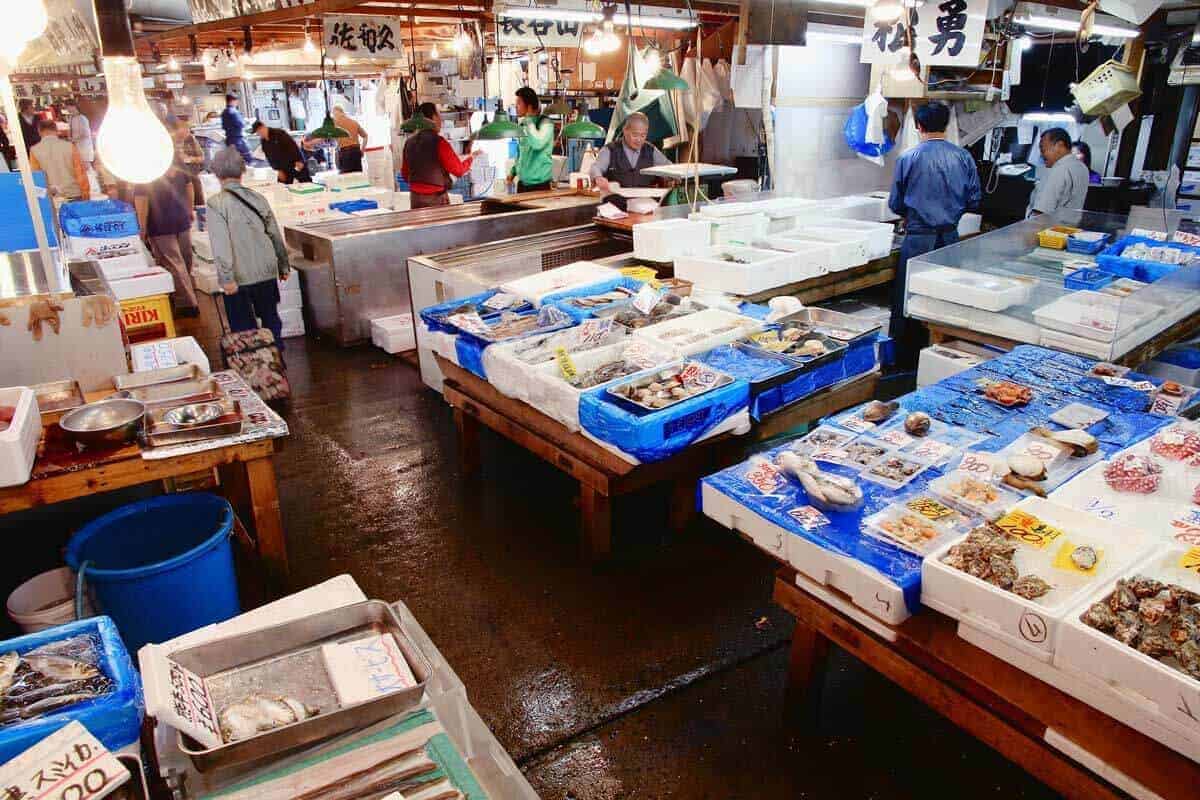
x=1113 y=260
x=666 y=240
x=1107 y=88
x=1087 y=278
x=1055 y=237
x=19 y=440
x=1086 y=243
x=968 y=288
x=738 y=270
x=393 y=334
x=1092 y=315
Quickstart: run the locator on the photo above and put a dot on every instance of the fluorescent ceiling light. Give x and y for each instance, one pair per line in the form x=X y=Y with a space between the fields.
x=834 y=34
x=620 y=18
x=1072 y=26
x=1047 y=116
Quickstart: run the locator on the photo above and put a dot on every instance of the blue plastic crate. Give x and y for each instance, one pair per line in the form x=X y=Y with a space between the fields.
x=1112 y=260
x=1084 y=247
x=98 y=219
x=1088 y=278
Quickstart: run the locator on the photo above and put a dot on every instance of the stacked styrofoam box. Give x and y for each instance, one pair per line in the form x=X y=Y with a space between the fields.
x=668 y=239
x=86 y=248
x=855 y=244
x=762 y=270
x=784 y=213
x=880 y=235
x=291 y=306
x=733 y=223
x=818 y=256
x=394 y=334
x=19 y=441
x=940 y=361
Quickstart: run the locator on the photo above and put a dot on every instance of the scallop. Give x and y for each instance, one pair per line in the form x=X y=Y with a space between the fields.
x=1027 y=467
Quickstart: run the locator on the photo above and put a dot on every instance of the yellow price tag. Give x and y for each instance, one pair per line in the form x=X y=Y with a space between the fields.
x=1062 y=559
x=565 y=365
x=1028 y=528
x=929 y=508
x=1191 y=560
x=640 y=274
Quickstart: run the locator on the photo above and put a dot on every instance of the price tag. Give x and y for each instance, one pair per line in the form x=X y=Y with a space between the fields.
x=896 y=437
x=932 y=450
x=1183 y=237
x=809 y=518
x=930 y=509
x=646 y=299
x=69 y=764
x=1101 y=508
x=1191 y=560
x=1166 y=405
x=979 y=465
x=696 y=374
x=764 y=476
x=1158 y=236
x=469 y=321
x=638 y=354
x=591 y=332
x=1186 y=527
x=853 y=422
x=1043 y=451
x=1028 y=528
x=566 y=367
x=639 y=273
x=500 y=300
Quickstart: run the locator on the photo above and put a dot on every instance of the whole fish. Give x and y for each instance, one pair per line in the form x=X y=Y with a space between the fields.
x=258 y=713
x=61 y=668
x=8 y=669
x=44 y=706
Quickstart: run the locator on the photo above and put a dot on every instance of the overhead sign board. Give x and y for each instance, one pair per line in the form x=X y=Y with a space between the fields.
x=363 y=37
x=210 y=10
x=525 y=32
x=949 y=33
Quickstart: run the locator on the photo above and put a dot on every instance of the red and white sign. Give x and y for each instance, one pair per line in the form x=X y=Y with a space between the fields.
x=69 y=764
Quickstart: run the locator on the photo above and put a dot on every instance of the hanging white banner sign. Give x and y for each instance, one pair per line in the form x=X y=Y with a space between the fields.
x=363 y=37
x=516 y=32
x=221 y=65
x=210 y=10
x=947 y=34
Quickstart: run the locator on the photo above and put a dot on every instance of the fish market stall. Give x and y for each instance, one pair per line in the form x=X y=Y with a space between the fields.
x=1047 y=508
x=1091 y=284
x=355 y=270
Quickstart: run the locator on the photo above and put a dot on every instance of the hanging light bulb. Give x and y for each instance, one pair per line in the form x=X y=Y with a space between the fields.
x=22 y=24
x=594 y=46
x=173 y=64
x=309 y=47
x=132 y=143
x=612 y=42
x=433 y=52
x=653 y=62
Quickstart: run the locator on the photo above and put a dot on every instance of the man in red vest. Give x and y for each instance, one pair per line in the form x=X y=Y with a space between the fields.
x=430 y=163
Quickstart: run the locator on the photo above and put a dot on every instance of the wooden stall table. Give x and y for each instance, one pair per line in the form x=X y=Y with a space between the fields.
x=247 y=472
x=602 y=475
x=1056 y=738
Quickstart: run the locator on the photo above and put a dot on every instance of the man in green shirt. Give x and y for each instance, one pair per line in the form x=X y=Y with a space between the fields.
x=535 y=167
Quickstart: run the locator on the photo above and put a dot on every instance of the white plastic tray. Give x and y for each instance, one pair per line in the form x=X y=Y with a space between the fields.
x=997 y=324
x=857 y=243
x=1032 y=625
x=572 y=276
x=821 y=255
x=881 y=235
x=975 y=289
x=767 y=269
x=713 y=326
x=1094 y=315
x=18 y=443
x=668 y=239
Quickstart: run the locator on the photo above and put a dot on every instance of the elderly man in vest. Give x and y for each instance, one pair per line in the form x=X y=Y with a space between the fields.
x=66 y=177
x=623 y=160
x=430 y=163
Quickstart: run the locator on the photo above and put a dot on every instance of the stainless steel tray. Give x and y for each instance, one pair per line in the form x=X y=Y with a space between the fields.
x=834 y=349
x=136 y=380
x=160 y=431
x=174 y=392
x=723 y=379
x=285 y=659
x=829 y=322
x=57 y=398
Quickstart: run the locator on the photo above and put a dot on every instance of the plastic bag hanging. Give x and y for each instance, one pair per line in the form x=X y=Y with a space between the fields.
x=910 y=137
x=856 y=133
x=876 y=107
x=952 y=126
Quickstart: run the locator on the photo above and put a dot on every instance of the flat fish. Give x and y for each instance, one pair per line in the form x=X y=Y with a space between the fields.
x=258 y=713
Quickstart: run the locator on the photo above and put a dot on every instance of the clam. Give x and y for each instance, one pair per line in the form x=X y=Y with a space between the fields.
x=876 y=411
x=1021 y=482
x=1080 y=443
x=918 y=423
x=1027 y=467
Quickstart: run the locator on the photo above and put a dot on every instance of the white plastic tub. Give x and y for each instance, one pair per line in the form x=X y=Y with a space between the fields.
x=975 y=289
x=857 y=242
x=18 y=443
x=44 y=601
x=668 y=239
x=820 y=256
x=765 y=269
x=880 y=235
x=551 y=394
x=1093 y=315
x=560 y=279
x=698 y=332
x=1032 y=626
x=393 y=334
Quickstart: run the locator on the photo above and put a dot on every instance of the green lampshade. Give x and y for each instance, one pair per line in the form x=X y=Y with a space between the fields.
x=667 y=81
x=583 y=129
x=329 y=131
x=499 y=128
x=417 y=122
x=558 y=108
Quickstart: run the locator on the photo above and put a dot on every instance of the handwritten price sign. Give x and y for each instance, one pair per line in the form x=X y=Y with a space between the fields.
x=929 y=508
x=69 y=764
x=764 y=477
x=809 y=518
x=979 y=465
x=1028 y=528
x=855 y=423
x=896 y=437
x=933 y=451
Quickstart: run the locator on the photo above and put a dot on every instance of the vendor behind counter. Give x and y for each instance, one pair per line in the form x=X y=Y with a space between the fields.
x=623 y=160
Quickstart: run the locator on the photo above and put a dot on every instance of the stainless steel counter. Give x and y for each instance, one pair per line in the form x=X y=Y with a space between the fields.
x=23 y=275
x=356 y=269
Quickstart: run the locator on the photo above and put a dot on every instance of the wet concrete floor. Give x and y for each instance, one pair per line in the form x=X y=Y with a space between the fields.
x=660 y=674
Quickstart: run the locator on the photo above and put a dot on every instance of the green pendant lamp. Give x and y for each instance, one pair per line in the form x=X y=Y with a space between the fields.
x=667 y=81
x=501 y=127
x=328 y=130
x=559 y=108
x=583 y=129
x=417 y=122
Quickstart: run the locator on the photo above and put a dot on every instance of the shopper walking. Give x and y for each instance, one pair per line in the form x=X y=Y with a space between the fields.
x=283 y=154
x=1065 y=183
x=350 y=147
x=66 y=177
x=535 y=166
x=81 y=133
x=430 y=164
x=248 y=248
x=235 y=128
x=29 y=124
x=935 y=183
x=166 y=210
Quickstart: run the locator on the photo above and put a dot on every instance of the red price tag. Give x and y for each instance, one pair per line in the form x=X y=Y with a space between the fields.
x=977 y=464
x=763 y=476
x=809 y=518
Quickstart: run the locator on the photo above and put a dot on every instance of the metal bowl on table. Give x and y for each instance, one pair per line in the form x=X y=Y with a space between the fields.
x=106 y=423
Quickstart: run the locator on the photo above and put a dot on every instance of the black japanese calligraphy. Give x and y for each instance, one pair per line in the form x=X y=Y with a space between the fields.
x=890 y=36
x=376 y=37
x=950 y=24
x=342 y=35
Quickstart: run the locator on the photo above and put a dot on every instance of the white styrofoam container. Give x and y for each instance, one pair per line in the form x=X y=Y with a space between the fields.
x=819 y=256
x=1094 y=315
x=768 y=269
x=554 y=397
x=938 y=362
x=740 y=228
x=206 y=280
x=510 y=374
x=667 y=239
x=880 y=235
x=1032 y=626
x=873 y=206
x=975 y=289
x=713 y=326
x=88 y=247
x=187 y=351
x=125 y=266
x=19 y=442
x=394 y=334
x=851 y=246
x=293 y=322
x=968 y=224
x=560 y=279
x=153 y=281
x=975 y=319
x=1170 y=692
x=866 y=587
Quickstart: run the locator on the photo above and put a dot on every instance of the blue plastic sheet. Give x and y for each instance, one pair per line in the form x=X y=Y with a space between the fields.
x=653 y=436
x=579 y=314
x=350 y=206
x=855 y=132
x=470 y=354
x=115 y=718
x=434 y=316
x=98 y=219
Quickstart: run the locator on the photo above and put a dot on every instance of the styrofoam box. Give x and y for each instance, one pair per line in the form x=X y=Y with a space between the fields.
x=709 y=268
x=880 y=235
x=856 y=244
x=969 y=224
x=873 y=206
x=818 y=257
x=394 y=334
x=571 y=276
x=87 y=247
x=938 y=362
x=291 y=298
x=509 y=375
x=975 y=319
x=19 y=442
x=1084 y=649
x=153 y=281
x=1032 y=625
x=976 y=289
x=1093 y=315
x=124 y=266
x=293 y=322
x=666 y=240
x=717 y=326
x=554 y=397
x=866 y=587
x=733 y=223
x=187 y=351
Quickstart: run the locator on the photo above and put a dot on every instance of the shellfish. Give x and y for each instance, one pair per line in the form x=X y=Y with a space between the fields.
x=877 y=411
x=918 y=423
x=1080 y=443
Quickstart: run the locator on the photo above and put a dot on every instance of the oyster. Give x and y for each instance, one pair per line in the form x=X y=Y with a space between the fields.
x=1145 y=587
x=1129 y=628
x=1188 y=654
x=877 y=411
x=1100 y=617
x=1084 y=557
x=1156 y=645
x=1153 y=611
x=918 y=423
x=1030 y=587
x=1003 y=573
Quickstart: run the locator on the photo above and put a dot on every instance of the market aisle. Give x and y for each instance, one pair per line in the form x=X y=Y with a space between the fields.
x=572 y=667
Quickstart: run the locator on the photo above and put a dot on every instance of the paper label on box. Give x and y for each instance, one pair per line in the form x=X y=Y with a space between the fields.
x=69 y=764
x=500 y=300
x=1158 y=236
x=153 y=355
x=188 y=706
x=470 y=321
x=367 y=668
x=763 y=476
x=566 y=367
x=1028 y=528
x=1166 y=405
x=1191 y=560
x=646 y=299
x=809 y=518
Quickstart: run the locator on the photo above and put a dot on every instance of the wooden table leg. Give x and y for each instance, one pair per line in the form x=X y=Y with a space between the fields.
x=683 y=504
x=806 y=674
x=468 y=442
x=251 y=488
x=596 y=511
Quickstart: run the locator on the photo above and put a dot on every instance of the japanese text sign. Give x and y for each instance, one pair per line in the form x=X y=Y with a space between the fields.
x=947 y=33
x=516 y=32
x=363 y=37
x=69 y=764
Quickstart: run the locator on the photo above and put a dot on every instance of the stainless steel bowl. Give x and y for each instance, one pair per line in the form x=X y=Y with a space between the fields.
x=105 y=423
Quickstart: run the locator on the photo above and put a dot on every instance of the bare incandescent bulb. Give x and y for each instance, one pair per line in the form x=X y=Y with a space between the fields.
x=22 y=24
x=132 y=143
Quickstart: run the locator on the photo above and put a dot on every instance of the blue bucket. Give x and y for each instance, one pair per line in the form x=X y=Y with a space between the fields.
x=160 y=567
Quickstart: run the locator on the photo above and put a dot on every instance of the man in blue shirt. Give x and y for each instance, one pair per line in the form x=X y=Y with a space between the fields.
x=234 y=125
x=935 y=183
